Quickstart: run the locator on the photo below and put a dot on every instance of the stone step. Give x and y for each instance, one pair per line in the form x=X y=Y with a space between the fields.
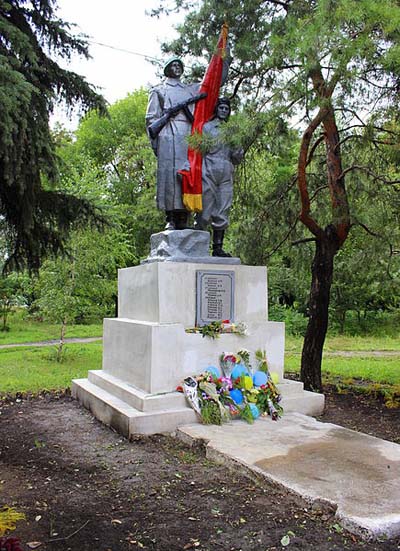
x=125 y=419
x=296 y=399
x=289 y=388
x=307 y=403
x=136 y=397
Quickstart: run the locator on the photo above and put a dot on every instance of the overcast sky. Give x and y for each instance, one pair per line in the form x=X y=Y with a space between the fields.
x=121 y=24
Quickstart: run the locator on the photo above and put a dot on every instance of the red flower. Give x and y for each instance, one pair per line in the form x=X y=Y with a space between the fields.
x=10 y=544
x=226 y=321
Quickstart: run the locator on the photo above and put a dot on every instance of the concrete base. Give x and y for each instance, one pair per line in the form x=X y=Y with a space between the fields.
x=128 y=409
x=131 y=411
x=184 y=246
x=165 y=292
x=156 y=357
x=147 y=352
x=359 y=475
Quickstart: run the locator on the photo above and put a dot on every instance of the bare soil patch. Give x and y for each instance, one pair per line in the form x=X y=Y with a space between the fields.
x=84 y=488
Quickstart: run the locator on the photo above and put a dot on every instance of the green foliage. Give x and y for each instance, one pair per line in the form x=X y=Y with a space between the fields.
x=9 y=516
x=83 y=287
x=261 y=358
x=108 y=141
x=211 y=330
x=9 y=289
x=210 y=413
x=246 y=414
x=112 y=159
x=35 y=218
x=295 y=321
x=238 y=132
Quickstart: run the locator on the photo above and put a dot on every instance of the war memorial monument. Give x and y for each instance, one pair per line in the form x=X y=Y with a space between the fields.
x=147 y=349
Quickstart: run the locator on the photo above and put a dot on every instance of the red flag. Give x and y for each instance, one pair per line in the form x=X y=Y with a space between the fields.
x=191 y=179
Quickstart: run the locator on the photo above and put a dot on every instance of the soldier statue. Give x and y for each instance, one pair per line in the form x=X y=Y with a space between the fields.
x=217 y=178
x=169 y=120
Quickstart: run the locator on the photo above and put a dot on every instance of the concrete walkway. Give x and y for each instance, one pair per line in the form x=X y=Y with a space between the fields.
x=345 y=353
x=359 y=475
x=52 y=342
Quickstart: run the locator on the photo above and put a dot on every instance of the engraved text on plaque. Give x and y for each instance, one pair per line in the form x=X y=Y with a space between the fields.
x=215 y=292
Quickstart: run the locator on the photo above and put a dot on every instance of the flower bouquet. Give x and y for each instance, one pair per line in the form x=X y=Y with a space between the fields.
x=233 y=391
x=216 y=328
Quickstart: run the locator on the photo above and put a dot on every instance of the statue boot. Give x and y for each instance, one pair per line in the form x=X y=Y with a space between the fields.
x=218 y=241
x=199 y=223
x=181 y=219
x=169 y=219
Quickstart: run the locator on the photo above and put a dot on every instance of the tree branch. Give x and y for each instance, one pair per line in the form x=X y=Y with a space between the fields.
x=377 y=128
x=320 y=188
x=370 y=232
x=301 y=241
x=237 y=86
x=284 y=239
x=368 y=171
x=305 y=217
x=360 y=137
x=314 y=147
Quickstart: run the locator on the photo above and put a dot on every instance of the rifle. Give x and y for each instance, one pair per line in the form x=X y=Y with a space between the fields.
x=155 y=128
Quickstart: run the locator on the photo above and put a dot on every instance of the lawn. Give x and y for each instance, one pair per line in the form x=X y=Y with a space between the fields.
x=348 y=343
x=25 y=329
x=383 y=369
x=34 y=369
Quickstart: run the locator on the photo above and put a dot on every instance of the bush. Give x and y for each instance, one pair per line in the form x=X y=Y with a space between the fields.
x=296 y=323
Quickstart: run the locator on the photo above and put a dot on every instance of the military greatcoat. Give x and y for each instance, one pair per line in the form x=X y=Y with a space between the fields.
x=170 y=146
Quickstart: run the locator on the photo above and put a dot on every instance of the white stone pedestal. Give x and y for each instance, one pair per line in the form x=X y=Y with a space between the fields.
x=147 y=353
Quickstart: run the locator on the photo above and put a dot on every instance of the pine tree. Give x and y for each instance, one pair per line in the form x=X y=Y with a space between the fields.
x=35 y=217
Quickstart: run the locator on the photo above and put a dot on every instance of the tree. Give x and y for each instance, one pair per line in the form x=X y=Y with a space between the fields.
x=10 y=285
x=83 y=287
x=334 y=66
x=37 y=218
x=119 y=147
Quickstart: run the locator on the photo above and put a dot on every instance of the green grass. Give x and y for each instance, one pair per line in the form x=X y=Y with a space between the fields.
x=24 y=329
x=35 y=369
x=346 y=342
x=375 y=369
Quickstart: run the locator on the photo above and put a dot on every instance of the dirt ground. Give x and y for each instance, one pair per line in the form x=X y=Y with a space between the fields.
x=84 y=488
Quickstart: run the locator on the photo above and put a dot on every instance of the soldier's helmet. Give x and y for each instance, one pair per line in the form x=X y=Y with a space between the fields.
x=171 y=60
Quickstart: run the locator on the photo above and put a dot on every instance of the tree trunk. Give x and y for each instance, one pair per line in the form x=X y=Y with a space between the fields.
x=61 y=343
x=342 y=321
x=322 y=272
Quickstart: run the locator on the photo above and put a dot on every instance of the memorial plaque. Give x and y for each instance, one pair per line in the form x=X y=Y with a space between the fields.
x=215 y=296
